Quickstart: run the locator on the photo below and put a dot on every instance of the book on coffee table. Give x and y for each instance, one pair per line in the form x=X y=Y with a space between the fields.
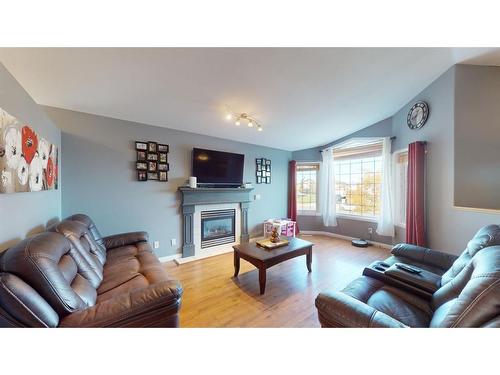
x=272 y=245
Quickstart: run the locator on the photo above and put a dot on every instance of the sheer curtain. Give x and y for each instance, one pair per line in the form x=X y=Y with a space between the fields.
x=385 y=225
x=327 y=192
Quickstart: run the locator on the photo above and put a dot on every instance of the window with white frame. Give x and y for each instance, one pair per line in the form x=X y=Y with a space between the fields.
x=400 y=177
x=307 y=188
x=358 y=170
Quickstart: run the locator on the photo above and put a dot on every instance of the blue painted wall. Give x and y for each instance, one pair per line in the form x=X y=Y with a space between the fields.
x=23 y=214
x=100 y=180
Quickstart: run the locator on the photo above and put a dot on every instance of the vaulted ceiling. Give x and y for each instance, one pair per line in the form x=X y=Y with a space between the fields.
x=303 y=97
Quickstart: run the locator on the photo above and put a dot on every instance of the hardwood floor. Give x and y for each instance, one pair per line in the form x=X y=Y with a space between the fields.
x=213 y=298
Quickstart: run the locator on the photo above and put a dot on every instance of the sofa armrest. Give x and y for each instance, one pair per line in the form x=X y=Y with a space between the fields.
x=424 y=255
x=124 y=239
x=152 y=306
x=338 y=309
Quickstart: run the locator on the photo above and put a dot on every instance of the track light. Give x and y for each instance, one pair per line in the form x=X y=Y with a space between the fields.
x=251 y=121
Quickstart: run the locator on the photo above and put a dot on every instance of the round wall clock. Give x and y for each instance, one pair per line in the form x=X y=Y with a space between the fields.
x=418 y=115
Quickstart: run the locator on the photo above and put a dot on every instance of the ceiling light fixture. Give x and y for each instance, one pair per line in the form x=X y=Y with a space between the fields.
x=242 y=117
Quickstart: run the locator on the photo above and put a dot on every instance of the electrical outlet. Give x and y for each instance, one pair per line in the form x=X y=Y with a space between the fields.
x=156 y=244
x=173 y=242
x=370 y=230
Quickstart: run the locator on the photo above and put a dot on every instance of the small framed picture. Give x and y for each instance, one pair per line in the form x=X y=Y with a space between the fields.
x=152 y=156
x=259 y=167
x=141 y=156
x=152 y=146
x=258 y=161
x=268 y=162
x=152 y=166
x=259 y=180
x=268 y=180
x=259 y=173
x=162 y=157
x=268 y=174
x=141 y=166
x=162 y=148
x=162 y=176
x=163 y=167
x=141 y=146
x=152 y=176
x=268 y=168
x=142 y=176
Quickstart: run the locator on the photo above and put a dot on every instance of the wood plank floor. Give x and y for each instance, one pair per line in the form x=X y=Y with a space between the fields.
x=213 y=298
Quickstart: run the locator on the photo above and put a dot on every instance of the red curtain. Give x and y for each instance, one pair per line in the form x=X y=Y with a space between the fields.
x=415 y=198
x=292 y=193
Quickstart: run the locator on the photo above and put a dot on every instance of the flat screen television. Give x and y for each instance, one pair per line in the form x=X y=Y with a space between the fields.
x=217 y=168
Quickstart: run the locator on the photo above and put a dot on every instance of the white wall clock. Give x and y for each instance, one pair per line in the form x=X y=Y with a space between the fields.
x=418 y=115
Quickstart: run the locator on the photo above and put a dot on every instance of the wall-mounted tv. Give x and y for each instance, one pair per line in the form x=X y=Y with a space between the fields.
x=218 y=168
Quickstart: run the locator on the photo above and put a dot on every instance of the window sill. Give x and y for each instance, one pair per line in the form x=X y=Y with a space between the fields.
x=308 y=213
x=356 y=217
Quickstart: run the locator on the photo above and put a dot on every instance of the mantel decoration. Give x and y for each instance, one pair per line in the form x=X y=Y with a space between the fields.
x=152 y=161
x=263 y=171
x=28 y=162
x=241 y=118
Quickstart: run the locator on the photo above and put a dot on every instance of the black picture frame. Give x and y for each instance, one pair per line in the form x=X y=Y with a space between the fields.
x=268 y=179
x=142 y=176
x=152 y=147
x=152 y=156
x=163 y=167
x=163 y=176
x=162 y=157
x=141 y=165
x=141 y=155
x=262 y=171
x=259 y=180
x=152 y=166
x=152 y=176
x=141 y=146
x=163 y=148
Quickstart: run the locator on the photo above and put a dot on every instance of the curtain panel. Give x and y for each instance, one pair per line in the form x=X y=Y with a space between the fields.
x=415 y=199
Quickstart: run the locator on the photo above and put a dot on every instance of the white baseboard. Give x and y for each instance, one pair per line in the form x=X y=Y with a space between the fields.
x=169 y=258
x=347 y=238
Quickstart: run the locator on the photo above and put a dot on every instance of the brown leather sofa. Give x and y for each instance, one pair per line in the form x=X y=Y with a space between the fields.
x=70 y=276
x=466 y=290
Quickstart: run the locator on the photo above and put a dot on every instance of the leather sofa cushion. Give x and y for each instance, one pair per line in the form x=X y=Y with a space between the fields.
x=153 y=306
x=24 y=304
x=50 y=265
x=87 y=221
x=402 y=306
x=81 y=239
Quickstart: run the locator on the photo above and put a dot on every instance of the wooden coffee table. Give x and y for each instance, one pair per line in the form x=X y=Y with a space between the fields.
x=263 y=258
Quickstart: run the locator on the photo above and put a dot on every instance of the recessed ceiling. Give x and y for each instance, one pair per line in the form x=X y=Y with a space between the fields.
x=303 y=97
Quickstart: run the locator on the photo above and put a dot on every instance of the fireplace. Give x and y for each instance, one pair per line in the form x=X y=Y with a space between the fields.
x=217 y=227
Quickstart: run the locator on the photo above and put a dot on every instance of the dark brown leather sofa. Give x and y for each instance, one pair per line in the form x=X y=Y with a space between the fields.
x=466 y=291
x=70 y=276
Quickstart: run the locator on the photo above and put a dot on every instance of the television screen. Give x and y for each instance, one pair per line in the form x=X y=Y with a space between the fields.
x=217 y=167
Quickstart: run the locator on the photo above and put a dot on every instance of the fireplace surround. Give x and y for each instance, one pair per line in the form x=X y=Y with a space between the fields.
x=215 y=199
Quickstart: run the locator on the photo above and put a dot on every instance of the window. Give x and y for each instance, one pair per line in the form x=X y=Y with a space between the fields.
x=358 y=176
x=400 y=187
x=307 y=188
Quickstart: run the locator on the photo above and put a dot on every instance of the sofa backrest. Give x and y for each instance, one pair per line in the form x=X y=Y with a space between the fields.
x=87 y=221
x=485 y=237
x=83 y=241
x=472 y=297
x=55 y=270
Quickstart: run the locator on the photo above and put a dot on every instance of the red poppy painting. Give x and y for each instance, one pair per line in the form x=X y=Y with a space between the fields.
x=28 y=162
x=49 y=173
x=29 y=143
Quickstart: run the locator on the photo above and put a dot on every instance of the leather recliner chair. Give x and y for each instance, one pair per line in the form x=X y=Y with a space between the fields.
x=468 y=293
x=67 y=278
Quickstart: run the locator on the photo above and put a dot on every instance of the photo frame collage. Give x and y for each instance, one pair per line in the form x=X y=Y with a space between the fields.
x=152 y=161
x=263 y=171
